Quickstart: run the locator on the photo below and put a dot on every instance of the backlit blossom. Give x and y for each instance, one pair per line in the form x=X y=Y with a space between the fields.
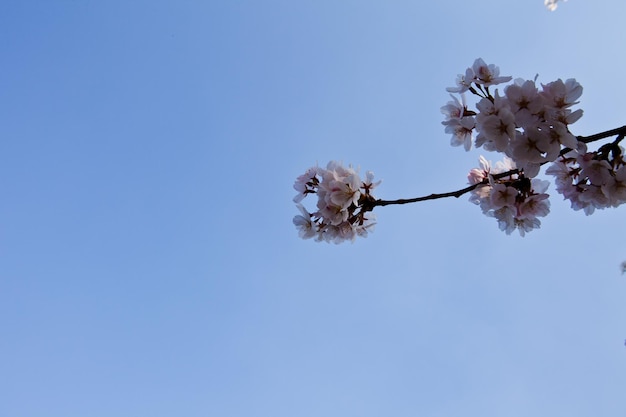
x=591 y=180
x=306 y=183
x=369 y=184
x=499 y=129
x=306 y=228
x=502 y=195
x=463 y=82
x=462 y=132
x=525 y=102
x=505 y=165
x=527 y=123
x=615 y=187
x=477 y=175
x=454 y=109
x=515 y=201
x=343 y=203
x=487 y=74
x=345 y=192
x=533 y=146
x=561 y=94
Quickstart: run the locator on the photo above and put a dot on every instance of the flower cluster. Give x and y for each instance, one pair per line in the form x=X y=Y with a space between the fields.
x=527 y=124
x=343 y=206
x=514 y=200
x=592 y=180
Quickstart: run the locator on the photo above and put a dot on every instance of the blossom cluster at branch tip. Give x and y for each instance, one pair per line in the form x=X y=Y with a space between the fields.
x=514 y=200
x=343 y=203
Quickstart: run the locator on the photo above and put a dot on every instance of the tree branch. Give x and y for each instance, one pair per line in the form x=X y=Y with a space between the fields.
x=435 y=196
x=620 y=132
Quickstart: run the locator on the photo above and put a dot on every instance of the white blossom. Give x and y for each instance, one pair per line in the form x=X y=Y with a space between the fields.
x=498 y=129
x=462 y=132
x=591 y=180
x=463 y=82
x=514 y=200
x=528 y=124
x=502 y=195
x=487 y=74
x=524 y=101
x=343 y=203
x=561 y=94
x=306 y=228
x=477 y=175
x=615 y=187
x=306 y=183
x=454 y=109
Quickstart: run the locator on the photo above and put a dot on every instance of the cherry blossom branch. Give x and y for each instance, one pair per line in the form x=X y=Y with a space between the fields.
x=528 y=124
x=433 y=196
x=620 y=132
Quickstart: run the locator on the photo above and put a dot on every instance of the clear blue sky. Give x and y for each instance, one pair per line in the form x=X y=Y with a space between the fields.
x=148 y=263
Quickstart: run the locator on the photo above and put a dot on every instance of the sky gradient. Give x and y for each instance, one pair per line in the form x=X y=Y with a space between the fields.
x=148 y=261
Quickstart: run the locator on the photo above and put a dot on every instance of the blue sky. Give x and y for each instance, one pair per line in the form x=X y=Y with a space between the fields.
x=149 y=266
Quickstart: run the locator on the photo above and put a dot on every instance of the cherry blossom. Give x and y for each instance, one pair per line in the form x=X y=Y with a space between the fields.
x=561 y=94
x=306 y=183
x=306 y=228
x=591 y=180
x=524 y=101
x=478 y=175
x=615 y=187
x=454 y=109
x=343 y=203
x=462 y=131
x=502 y=195
x=514 y=200
x=528 y=124
x=463 y=82
x=487 y=74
